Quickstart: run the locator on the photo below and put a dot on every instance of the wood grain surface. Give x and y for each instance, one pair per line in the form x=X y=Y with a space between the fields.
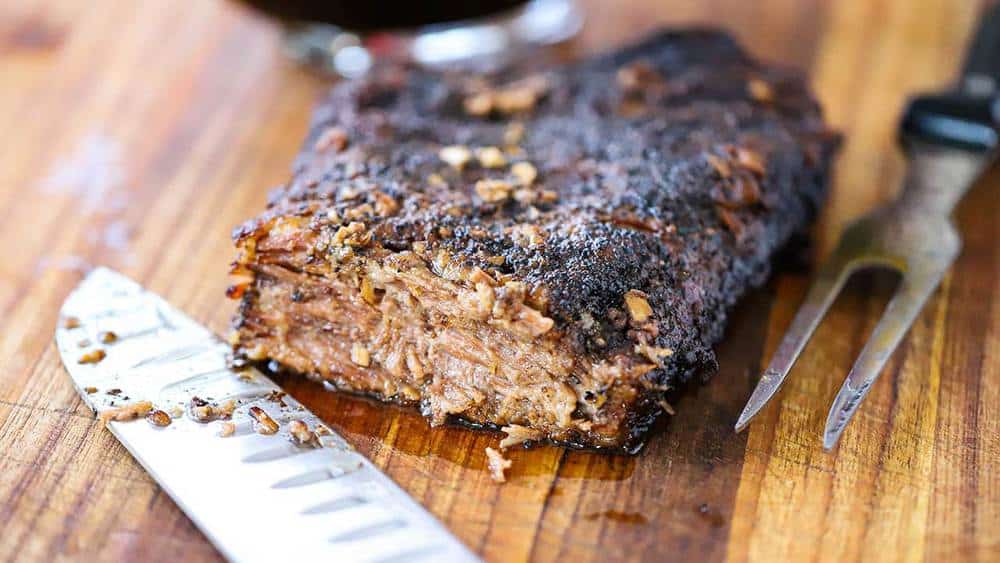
x=136 y=134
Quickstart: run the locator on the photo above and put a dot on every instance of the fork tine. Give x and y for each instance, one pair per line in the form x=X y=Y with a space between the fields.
x=915 y=288
x=829 y=281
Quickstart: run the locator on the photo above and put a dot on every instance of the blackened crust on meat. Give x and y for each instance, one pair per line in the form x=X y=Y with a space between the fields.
x=662 y=179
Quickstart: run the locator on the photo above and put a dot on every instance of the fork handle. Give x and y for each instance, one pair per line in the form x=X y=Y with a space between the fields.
x=968 y=116
x=953 y=120
x=981 y=73
x=937 y=176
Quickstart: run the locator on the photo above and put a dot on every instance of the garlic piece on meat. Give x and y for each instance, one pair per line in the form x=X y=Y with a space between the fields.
x=456 y=156
x=493 y=191
x=638 y=306
x=491 y=157
x=525 y=172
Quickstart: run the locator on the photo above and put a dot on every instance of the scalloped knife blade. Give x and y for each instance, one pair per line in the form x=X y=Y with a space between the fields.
x=257 y=497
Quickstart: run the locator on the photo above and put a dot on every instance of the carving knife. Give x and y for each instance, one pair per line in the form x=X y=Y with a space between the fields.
x=267 y=482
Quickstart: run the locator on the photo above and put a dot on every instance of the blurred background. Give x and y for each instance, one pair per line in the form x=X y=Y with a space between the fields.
x=138 y=134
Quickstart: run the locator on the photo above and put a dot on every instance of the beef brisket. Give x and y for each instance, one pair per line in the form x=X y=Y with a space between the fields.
x=547 y=251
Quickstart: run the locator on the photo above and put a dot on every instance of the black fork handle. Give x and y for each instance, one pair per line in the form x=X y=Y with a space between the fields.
x=967 y=117
x=983 y=59
x=953 y=120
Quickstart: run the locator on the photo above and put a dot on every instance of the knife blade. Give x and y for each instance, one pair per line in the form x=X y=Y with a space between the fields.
x=256 y=496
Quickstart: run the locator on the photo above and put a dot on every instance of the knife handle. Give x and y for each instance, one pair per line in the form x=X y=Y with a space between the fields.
x=981 y=73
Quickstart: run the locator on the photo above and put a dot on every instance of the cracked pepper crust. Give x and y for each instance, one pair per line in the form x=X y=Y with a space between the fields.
x=583 y=228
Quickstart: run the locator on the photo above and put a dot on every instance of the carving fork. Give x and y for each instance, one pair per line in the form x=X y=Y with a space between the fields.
x=948 y=140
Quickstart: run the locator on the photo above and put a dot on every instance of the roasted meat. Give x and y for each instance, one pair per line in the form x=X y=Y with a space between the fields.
x=548 y=250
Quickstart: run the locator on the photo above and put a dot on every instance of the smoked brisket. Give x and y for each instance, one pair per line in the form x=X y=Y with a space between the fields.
x=546 y=251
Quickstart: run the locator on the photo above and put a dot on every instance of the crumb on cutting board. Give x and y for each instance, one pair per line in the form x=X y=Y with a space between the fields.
x=667 y=407
x=497 y=464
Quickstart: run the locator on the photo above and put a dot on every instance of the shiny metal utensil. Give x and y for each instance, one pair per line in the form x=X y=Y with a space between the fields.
x=263 y=487
x=948 y=139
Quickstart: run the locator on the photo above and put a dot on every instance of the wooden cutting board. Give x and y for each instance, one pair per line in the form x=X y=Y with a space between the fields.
x=136 y=134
